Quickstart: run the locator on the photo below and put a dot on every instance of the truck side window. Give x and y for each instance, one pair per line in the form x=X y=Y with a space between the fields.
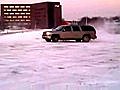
x=76 y=28
x=67 y=28
x=88 y=28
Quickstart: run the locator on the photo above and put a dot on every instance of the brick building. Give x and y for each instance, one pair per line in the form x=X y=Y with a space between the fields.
x=38 y=15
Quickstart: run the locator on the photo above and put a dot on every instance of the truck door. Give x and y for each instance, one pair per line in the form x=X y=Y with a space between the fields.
x=66 y=33
x=76 y=32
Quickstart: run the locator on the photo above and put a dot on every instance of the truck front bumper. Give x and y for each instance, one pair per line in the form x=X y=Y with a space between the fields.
x=46 y=37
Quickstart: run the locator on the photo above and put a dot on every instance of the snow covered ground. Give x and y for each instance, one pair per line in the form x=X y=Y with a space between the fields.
x=27 y=62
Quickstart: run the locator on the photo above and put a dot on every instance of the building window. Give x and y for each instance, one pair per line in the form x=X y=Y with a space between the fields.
x=27 y=13
x=8 y=9
x=8 y=16
x=11 y=6
x=22 y=20
x=11 y=20
x=5 y=6
x=25 y=16
x=57 y=5
x=6 y=13
x=27 y=6
x=22 y=13
x=16 y=6
x=17 y=20
x=11 y=13
x=25 y=10
x=22 y=6
x=17 y=13
x=27 y=20
x=14 y=9
x=19 y=9
x=14 y=16
x=19 y=16
x=5 y=10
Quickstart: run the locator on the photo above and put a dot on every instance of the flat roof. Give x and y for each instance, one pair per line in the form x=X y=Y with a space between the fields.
x=31 y=4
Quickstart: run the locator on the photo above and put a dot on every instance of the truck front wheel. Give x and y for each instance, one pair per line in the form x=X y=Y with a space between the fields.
x=48 y=40
x=55 y=38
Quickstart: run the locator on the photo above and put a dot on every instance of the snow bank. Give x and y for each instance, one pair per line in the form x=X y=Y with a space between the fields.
x=27 y=62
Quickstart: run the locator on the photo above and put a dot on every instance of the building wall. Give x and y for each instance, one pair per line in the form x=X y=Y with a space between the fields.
x=38 y=15
x=58 y=15
x=17 y=15
x=54 y=14
x=46 y=15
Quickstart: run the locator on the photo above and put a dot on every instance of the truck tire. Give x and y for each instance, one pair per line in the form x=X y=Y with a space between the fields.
x=48 y=40
x=86 y=38
x=55 y=38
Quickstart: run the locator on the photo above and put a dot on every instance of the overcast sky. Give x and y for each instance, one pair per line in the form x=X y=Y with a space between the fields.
x=74 y=9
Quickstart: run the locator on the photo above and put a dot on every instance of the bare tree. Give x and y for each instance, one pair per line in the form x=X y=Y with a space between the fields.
x=1 y=24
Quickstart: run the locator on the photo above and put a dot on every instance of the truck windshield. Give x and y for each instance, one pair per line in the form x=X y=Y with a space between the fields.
x=59 y=28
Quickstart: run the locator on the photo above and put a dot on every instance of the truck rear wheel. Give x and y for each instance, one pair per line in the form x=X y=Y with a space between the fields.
x=86 y=38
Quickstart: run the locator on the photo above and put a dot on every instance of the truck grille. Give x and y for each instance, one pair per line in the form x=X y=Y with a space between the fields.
x=44 y=33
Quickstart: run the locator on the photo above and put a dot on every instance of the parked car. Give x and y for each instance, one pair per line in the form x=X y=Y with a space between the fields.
x=70 y=32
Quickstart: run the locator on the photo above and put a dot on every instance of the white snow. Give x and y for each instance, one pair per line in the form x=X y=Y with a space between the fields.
x=27 y=62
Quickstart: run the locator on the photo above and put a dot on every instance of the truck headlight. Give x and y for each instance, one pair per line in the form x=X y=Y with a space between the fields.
x=48 y=33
